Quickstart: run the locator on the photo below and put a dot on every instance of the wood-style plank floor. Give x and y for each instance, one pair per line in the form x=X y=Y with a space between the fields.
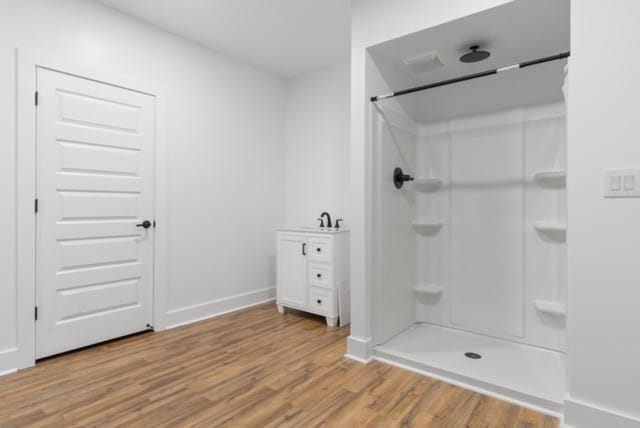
x=254 y=368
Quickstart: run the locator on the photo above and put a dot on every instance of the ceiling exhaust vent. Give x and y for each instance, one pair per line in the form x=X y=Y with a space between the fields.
x=424 y=62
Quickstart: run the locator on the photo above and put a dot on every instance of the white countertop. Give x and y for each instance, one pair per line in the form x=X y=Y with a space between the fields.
x=314 y=229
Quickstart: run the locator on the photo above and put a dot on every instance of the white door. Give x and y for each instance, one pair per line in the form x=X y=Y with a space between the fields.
x=94 y=265
x=292 y=271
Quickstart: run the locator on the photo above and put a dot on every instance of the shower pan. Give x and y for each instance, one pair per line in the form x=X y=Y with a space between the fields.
x=469 y=205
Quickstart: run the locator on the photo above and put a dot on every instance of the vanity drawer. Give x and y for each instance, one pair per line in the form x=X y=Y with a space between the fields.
x=320 y=250
x=320 y=300
x=321 y=275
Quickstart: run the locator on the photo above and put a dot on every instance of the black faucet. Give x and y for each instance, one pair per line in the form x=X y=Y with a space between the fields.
x=328 y=218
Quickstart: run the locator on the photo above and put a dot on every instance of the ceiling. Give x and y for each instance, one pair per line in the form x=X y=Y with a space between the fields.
x=514 y=32
x=285 y=37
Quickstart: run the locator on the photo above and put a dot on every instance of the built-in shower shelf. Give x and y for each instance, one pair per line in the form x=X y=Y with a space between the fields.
x=551 y=178
x=427 y=185
x=427 y=227
x=551 y=227
x=551 y=307
x=428 y=289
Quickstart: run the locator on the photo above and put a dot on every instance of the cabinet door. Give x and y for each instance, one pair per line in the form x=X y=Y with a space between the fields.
x=292 y=271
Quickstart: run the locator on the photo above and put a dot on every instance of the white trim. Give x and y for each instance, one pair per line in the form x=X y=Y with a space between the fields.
x=583 y=415
x=8 y=372
x=160 y=283
x=359 y=348
x=213 y=308
x=26 y=64
x=358 y=359
x=25 y=216
x=8 y=361
x=469 y=386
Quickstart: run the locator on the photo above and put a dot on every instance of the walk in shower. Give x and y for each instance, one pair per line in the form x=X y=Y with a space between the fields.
x=469 y=239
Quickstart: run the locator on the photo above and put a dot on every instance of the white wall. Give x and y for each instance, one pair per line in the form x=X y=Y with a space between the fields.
x=317 y=145
x=604 y=234
x=372 y=22
x=224 y=139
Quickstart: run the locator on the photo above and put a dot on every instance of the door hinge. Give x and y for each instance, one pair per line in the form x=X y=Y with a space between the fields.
x=36 y=313
x=36 y=98
x=35 y=205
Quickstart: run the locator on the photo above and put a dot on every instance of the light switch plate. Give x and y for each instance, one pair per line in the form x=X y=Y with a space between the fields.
x=622 y=183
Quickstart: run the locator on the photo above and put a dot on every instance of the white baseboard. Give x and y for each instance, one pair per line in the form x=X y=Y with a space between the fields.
x=579 y=414
x=202 y=311
x=359 y=349
x=8 y=361
x=358 y=359
x=8 y=372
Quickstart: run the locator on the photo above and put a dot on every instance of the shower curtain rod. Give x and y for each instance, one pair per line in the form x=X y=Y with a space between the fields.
x=471 y=76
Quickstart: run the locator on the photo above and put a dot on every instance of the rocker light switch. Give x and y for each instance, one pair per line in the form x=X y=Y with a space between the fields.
x=629 y=182
x=615 y=183
x=621 y=183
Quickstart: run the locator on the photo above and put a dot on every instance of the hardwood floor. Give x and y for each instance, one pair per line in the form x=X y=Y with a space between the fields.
x=254 y=368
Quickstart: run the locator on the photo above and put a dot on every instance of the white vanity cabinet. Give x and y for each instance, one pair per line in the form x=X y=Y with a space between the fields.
x=312 y=272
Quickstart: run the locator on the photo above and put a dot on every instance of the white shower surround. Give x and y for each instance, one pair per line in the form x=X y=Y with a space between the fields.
x=428 y=287
x=602 y=133
x=477 y=245
x=506 y=148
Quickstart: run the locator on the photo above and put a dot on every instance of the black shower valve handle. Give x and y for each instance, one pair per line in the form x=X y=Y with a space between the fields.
x=399 y=178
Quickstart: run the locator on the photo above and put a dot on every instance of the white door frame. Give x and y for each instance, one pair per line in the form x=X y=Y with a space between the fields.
x=26 y=140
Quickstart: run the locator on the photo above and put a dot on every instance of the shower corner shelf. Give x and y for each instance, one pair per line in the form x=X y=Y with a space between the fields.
x=551 y=178
x=427 y=227
x=427 y=185
x=428 y=289
x=551 y=307
x=550 y=226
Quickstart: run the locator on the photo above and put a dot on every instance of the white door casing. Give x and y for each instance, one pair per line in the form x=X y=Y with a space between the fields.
x=95 y=183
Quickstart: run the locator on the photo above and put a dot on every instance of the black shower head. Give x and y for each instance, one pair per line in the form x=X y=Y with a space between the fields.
x=475 y=55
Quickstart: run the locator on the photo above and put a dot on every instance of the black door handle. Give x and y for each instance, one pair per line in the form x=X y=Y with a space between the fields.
x=304 y=248
x=319 y=275
x=146 y=224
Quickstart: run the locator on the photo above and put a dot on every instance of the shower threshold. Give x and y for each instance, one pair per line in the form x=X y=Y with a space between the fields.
x=522 y=374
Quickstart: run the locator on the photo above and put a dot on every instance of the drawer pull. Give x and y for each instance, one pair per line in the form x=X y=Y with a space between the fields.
x=319 y=275
x=318 y=301
x=318 y=249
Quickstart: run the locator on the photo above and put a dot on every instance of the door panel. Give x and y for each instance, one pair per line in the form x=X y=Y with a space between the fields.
x=95 y=183
x=83 y=205
x=79 y=157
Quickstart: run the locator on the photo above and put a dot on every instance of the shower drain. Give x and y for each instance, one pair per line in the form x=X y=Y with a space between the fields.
x=472 y=355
